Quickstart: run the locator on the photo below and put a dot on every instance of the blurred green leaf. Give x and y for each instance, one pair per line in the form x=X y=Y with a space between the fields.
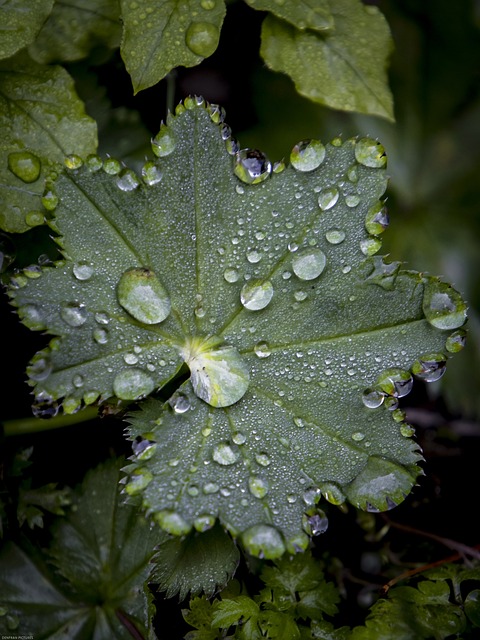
x=20 y=23
x=301 y=13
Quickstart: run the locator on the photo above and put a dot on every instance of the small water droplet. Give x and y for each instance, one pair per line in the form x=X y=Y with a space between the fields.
x=101 y=317
x=407 y=430
x=263 y=459
x=74 y=314
x=352 y=201
x=307 y=155
x=151 y=174
x=430 y=367
x=239 y=438
x=333 y=493
x=94 y=162
x=263 y=541
x=49 y=198
x=311 y=496
x=78 y=381
x=300 y=296
x=180 y=403
x=82 y=271
x=193 y=491
x=73 y=162
x=112 y=166
x=202 y=38
x=141 y=294
x=210 y=487
x=456 y=341
x=377 y=220
x=358 y=436
x=258 y=487
x=328 y=198
x=443 y=306
x=24 y=165
x=309 y=263
x=395 y=382
x=315 y=524
x=231 y=275
x=335 y=236
x=132 y=384
x=262 y=349
x=224 y=454
x=372 y=398
x=254 y=256
x=138 y=481
x=256 y=294
x=164 y=142
x=130 y=358
x=45 y=410
x=251 y=166
x=144 y=449
x=370 y=246
x=203 y=523
x=370 y=153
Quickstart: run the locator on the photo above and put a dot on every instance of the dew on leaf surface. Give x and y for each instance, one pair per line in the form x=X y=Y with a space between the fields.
x=138 y=481
x=141 y=293
x=370 y=153
x=73 y=162
x=262 y=349
x=203 y=523
x=127 y=180
x=172 y=522
x=224 y=454
x=328 y=198
x=263 y=541
x=372 y=398
x=335 y=236
x=112 y=166
x=307 y=155
x=151 y=174
x=456 y=341
x=377 y=220
x=231 y=275
x=315 y=524
x=263 y=459
x=443 y=307
x=430 y=367
x=24 y=165
x=308 y=264
x=257 y=486
x=370 y=246
x=163 y=143
x=395 y=382
x=74 y=314
x=82 y=271
x=312 y=496
x=202 y=38
x=256 y=294
x=40 y=368
x=100 y=335
x=332 y=493
x=132 y=384
x=352 y=201
x=251 y=166
x=180 y=403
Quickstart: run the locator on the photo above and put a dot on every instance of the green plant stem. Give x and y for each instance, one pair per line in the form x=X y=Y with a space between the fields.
x=20 y=426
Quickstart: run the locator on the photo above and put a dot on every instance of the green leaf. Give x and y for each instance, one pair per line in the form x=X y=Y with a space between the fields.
x=343 y=69
x=20 y=24
x=72 y=31
x=229 y=611
x=165 y=35
x=266 y=288
x=199 y=562
x=42 y=121
x=280 y=626
x=199 y=616
x=302 y=14
x=102 y=549
x=32 y=502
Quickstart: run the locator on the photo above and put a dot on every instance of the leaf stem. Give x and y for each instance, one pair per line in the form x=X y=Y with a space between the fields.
x=20 y=426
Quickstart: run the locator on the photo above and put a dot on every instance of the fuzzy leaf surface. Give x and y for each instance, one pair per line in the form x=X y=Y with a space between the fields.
x=20 y=24
x=102 y=550
x=42 y=120
x=343 y=69
x=272 y=413
x=303 y=14
x=168 y=34
x=73 y=29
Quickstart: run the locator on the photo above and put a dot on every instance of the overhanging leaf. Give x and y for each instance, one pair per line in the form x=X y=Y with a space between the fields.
x=20 y=24
x=42 y=121
x=345 y=68
x=267 y=288
x=168 y=34
x=303 y=14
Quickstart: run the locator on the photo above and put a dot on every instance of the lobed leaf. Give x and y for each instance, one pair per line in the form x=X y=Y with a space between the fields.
x=344 y=68
x=265 y=287
x=168 y=34
x=42 y=120
x=20 y=24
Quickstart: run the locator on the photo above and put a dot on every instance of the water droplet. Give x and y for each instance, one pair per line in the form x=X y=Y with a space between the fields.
x=263 y=541
x=49 y=199
x=133 y=384
x=377 y=220
x=144 y=449
x=130 y=358
x=32 y=317
x=262 y=349
x=332 y=493
x=73 y=162
x=278 y=167
x=151 y=174
x=40 y=367
x=335 y=236
x=307 y=155
x=101 y=317
x=112 y=166
x=202 y=38
x=71 y=405
x=203 y=523
x=82 y=270
x=372 y=398
x=328 y=198
x=456 y=341
x=224 y=454
x=370 y=153
x=100 y=335
x=180 y=403
x=164 y=142
x=94 y=162
x=430 y=367
x=231 y=275
x=127 y=180
x=352 y=201
x=309 y=264
x=395 y=382
x=210 y=487
x=78 y=381
x=138 y=481
x=256 y=294
x=74 y=314
x=251 y=166
x=172 y=522
x=45 y=410
x=141 y=294
x=312 y=496
x=34 y=218
x=263 y=459
x=254 y=256
x=370 y=246
x=300 y=296
x=407 y=430
x=24 y=165
x=239 y=438
x=358 y=436
x=257 y=487
x=443 y=306
x=315 y=524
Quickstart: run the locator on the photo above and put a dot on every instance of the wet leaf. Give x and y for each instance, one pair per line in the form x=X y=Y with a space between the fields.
x=262 y=283
x=20 y=24
x=42 y=121
x=102 y=549
x=303 y=14
x=343 y=69
x=72 y=31
x=165 y=35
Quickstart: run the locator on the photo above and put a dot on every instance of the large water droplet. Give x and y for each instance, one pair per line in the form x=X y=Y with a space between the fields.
x=256 y=294
x=262 y=350
x=82 y=270
x=202 y=38
x=254 y=256
x=132 y=384
x=139 y=480
x=204 y=523
x=112 y=166
x=224 y=454
x=100 y=335
x=32 y=317
x=231 y=275
x=370 y=246
x=328 y=198
x=430 y=367
x=332 y=493
x=309 y=264
x=312 y=496
x=372 y=398
x=258 y=487
x=141 y=294
x=307 y=155
x=335 y=236
x=74 y=314
x=164 y=142
x=251 y=166
x=144 y=449
x=370 y=153
x=151 y=173
x=315 y=524
x=172 y=522
x=24 y=165
x=180 y=403
x=443 y=306
x=263 y=541
x=40 y=368
x=263 y=459
x=395 y=382
x=377 y=220
x=456 y=341
x=127 y=180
